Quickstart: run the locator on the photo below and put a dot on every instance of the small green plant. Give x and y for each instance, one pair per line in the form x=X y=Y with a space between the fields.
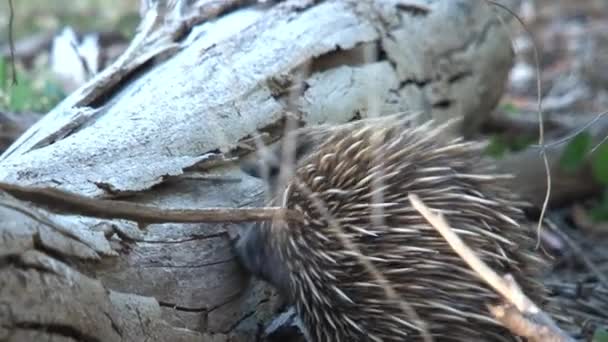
x=573 y=156
x=599 y=164
x=498 y=145
x=509 y=108
x=599 y=212
x=601 y=335
x=34 y=91
x=520 y=142
x=599 y=168
x=576 y=154
x=3 y=74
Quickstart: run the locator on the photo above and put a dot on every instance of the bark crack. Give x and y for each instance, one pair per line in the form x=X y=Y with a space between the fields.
x=412 y=81
x=181 y=308
x=212 y=263
x=194 y=237
x=115 y=326
x=413 y=9
x=55 y=329
x=16 y=261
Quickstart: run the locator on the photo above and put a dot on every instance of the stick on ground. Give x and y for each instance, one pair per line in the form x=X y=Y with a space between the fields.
x=66 y=202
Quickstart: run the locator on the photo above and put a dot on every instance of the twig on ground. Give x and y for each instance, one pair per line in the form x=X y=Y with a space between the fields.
x=66 y=202
x=544 y=327
x=516 y=322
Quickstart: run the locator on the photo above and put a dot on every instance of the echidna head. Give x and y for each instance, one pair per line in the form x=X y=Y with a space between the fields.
x=270 y=161
x=254 y=248
x=261 y=259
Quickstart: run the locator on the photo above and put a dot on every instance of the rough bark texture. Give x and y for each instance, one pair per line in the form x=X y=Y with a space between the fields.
x=189 y=90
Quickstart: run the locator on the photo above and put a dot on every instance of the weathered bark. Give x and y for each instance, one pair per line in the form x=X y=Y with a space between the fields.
x=186 y=93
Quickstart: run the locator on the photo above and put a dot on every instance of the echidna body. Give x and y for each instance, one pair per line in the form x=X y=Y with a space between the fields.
x=358 y=176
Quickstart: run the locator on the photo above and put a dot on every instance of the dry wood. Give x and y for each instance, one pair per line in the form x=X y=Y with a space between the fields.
x=198 y=79
x=69 y=203
x=516 y=322
x=44 y=297
x=196 y=103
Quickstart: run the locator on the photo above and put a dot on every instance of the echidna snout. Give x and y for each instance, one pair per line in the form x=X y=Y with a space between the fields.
x=261 y=259
x=268 y=162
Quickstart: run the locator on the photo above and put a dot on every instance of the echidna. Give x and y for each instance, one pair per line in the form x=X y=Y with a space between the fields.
x=358 y=176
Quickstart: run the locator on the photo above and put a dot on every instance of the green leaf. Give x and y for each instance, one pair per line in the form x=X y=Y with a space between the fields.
x=509 y=108
x=127 y=24
x=21 y=96
x=599 y=212
x=600 y=335
x=3 y=74
x=575 y=152
x=599 y=164
x=521 y=142
x=497 y=147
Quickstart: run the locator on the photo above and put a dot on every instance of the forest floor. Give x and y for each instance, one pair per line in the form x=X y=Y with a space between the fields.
x=572 y=43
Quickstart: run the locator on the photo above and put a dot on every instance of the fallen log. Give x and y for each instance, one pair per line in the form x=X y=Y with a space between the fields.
x=198 y=83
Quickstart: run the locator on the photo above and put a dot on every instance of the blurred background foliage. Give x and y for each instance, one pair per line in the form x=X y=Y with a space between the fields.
x=37 y=89
x=35 y=16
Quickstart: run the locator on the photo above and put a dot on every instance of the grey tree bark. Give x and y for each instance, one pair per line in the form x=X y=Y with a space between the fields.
x=200 y=80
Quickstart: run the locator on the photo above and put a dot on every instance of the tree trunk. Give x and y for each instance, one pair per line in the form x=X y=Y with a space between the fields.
x=199 y=81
